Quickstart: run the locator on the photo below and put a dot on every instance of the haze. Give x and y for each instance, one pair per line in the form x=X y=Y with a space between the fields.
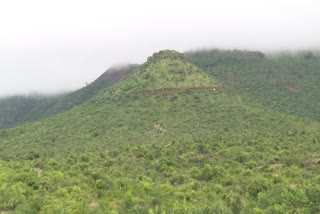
x=51 y=46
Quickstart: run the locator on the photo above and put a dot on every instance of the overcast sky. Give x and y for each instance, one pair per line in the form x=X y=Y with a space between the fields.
x=53 y=45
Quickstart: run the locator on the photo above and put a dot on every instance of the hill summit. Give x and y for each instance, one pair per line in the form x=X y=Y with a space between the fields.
x=166 y=70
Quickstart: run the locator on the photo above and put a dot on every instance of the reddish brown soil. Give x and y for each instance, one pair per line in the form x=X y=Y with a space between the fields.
x=115 y=76
x=117 y=72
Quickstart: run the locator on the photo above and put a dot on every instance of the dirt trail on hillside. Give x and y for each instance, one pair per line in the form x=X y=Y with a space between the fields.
x=173 y=90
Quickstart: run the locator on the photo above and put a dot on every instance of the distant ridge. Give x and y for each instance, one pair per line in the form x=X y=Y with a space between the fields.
x=284 y=81
x=21 y=109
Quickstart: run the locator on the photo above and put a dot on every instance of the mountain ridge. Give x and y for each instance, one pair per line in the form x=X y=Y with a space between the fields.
x=132 y=117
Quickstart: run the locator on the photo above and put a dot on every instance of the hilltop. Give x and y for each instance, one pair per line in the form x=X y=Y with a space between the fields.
x=166 y=69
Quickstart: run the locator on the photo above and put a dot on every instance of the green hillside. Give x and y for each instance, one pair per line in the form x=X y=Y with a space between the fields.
x=286 y=82
x=146 y=145
x=13 y=109
x=21 y=109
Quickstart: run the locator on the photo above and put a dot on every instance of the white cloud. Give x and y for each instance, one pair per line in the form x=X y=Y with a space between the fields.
x=53 y=45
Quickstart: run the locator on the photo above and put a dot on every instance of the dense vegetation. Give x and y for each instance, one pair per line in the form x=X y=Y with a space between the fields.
x=190 y=149
x=287 y=82
x=20 y=109
x=13 y=109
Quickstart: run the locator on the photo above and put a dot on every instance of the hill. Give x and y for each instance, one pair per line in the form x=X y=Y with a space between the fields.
x=164 y=70
x=21 y=109
x=190 y=149
x=286 y=82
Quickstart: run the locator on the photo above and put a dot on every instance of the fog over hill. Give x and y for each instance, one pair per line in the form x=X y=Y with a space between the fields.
x=46 y=53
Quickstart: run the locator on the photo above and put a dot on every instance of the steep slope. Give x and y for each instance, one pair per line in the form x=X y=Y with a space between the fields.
x=116 y=72
x=190 y=149
x=21 y=109
x=286 y=82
